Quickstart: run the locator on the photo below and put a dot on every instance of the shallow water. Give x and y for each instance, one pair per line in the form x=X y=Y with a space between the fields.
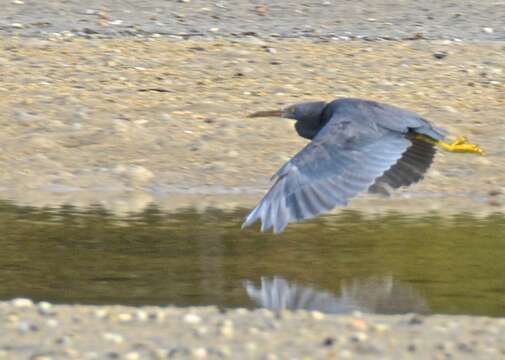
x=339 y=263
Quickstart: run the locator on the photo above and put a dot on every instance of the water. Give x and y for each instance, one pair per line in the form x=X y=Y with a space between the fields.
x=387 y=264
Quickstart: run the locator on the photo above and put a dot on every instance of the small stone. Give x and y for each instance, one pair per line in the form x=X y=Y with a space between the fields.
x=125 y=317
x=329 y=341
x=45 y=308
x=135 y=173
x=192 y=319
x=440 y=54
x=200 y=353
x=142 y=315
x=113 y=337
x=214 y=29
x=159 y=354
x=22 y=303
x=359 y=337
x=202 y=330
x=317 y=315
x=132 y=355
x=25 y=327
x=52 y=323
x=101 y=313
x=380 y=327
x=17 y=25
x=227 y=330
x=40 y=357
x=165 y=117
x=488 y=30
x=358 y=324
x=415 y=320
x=261 y=10
x=17 y=2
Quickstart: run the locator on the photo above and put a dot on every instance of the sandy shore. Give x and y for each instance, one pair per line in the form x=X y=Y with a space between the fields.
x=128 y=122
x=45 y=331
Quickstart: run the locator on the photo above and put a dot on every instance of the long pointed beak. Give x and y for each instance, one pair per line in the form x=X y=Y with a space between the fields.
x=269 y=113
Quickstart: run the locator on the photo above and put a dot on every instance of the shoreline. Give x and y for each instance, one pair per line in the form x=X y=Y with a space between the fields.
x=46 y=331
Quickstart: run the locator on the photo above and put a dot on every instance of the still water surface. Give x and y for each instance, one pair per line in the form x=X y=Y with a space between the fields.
x=387 y=264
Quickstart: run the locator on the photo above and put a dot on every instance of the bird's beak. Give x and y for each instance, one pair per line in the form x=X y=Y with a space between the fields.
x=269 y=113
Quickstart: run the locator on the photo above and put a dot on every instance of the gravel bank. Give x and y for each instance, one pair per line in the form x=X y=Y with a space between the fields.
x=45 y=331
x=369 y=19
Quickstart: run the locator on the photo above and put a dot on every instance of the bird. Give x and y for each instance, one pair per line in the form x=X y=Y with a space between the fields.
x=356 y=145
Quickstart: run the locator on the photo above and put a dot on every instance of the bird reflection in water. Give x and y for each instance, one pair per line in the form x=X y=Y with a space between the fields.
x=381 y=295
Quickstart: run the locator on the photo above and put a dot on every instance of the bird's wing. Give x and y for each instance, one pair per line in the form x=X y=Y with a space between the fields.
x=386 y=116
x=408 y=170
x=344 y=159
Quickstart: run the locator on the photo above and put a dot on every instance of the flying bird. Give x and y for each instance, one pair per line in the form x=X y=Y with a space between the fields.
x=356 y=145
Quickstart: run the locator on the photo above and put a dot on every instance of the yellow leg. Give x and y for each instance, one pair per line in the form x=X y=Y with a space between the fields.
x=461 y=144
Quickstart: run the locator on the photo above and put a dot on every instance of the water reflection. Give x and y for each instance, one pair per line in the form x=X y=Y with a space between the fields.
x=372 y=295
x=90 y=256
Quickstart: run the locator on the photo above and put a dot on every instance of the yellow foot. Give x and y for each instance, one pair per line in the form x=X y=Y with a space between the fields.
x=461 y=144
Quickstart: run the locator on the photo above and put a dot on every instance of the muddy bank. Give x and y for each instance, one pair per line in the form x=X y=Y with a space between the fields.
x=126 y=122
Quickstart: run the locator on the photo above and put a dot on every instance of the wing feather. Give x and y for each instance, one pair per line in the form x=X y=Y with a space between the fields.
x=409 y=169
x=340 y=162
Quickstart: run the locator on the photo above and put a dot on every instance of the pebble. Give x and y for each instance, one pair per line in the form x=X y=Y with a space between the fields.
x=45 y=308
x=113 y=337
x=317 y=315
x=41 y=357
x=142 y=315
x=440 y=55
x=200 y=353
x=125 y=317
x=135 y=173
x=22 y=303
x=359 y=336
x=192 y=319
x=101 y=313
x=132 y=355
x=488 y=30
x=379 y=327
x=52 y=323
x=25 y=327
x=227 y=329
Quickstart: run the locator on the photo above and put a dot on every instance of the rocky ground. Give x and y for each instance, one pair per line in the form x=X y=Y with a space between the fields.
x=43 y=331
x=125 y=104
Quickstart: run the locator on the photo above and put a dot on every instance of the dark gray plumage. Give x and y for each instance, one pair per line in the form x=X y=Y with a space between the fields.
x=356 y=145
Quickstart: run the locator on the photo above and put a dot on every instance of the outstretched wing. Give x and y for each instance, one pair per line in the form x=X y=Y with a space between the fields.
x=408 y=170
x=343 y=160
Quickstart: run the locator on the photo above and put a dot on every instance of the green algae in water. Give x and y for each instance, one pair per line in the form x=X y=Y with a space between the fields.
x=449 y=265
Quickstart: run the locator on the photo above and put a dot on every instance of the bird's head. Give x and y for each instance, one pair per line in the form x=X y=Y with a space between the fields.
x=306 y=111
x=308 y=116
